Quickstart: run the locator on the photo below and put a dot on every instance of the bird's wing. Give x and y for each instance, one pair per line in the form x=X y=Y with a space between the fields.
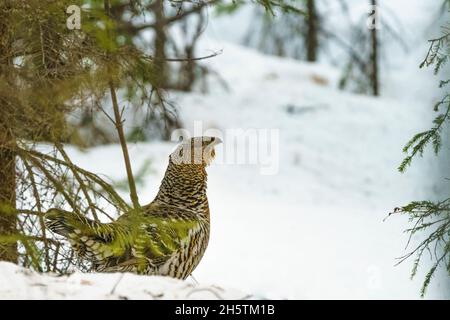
x=168 y=228
x=156 y=235
x=89 y=238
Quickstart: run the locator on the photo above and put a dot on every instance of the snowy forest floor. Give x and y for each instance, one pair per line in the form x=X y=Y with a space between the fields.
x=21 y=283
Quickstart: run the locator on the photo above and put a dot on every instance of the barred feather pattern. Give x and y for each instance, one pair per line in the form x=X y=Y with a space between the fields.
x=167 y=237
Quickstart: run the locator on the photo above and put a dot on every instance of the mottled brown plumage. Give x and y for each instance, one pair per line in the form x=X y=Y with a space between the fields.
x=167 y=237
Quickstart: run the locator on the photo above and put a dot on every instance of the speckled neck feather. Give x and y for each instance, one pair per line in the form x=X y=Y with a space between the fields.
x=184 y=185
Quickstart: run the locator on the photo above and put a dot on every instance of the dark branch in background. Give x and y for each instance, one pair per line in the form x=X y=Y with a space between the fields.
x=354 y=55
x=270 y=4
x=190 y=70
x=166 y=21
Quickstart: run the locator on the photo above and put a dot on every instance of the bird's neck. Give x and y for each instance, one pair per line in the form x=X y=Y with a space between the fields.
x=184 y=186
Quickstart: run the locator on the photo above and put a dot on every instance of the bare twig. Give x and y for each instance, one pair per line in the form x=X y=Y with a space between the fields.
x=117 y=283
x=78 y=178
x=123 y=143
x=39 y=207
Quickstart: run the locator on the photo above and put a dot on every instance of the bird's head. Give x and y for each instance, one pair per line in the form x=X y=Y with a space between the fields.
x=195 y=151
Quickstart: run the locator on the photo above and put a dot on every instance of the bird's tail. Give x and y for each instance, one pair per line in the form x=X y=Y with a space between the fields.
x=89 y=238
x=65 y=223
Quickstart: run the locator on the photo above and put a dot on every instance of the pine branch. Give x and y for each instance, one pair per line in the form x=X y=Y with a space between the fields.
x=427 y=215
x=416 y=146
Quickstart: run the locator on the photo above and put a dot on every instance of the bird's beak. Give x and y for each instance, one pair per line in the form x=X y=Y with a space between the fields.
x=217 y=141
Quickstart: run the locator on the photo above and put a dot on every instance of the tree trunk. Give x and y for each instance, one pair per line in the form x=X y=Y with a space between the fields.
x=160 y=42
x=312 y=42
x=8 y=218
x=374 y=72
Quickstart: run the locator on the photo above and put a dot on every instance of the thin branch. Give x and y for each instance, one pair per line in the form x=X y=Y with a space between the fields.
x=119 y=127
x=57 y=184
x=39 y=207
x=78 y=178
x=212 y=55
x=112 y=196
x=123 y=144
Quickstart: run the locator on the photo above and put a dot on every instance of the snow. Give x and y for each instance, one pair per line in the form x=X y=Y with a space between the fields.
x=314 y=229
x=21 y=283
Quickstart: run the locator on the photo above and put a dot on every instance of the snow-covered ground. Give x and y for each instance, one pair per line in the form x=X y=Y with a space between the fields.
x=21 y=283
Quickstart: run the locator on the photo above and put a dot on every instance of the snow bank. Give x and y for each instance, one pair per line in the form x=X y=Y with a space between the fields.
x=20 y=283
